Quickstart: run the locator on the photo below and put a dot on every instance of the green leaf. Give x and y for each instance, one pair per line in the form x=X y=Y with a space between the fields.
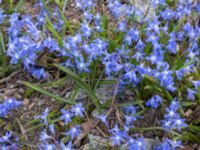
x=187 y=103
x=19 y=5
x=188 y=136
x=135 y=102
x=66 y=22
x=80 y=83
x=112 y=46
x=105 y=21
x=41 y=90
x=53 y=31
x=151 y=79
x=59 y=82
x=171 y=27
x=45 y=5
x=194 y=128
x=2 y=45
x=156 y=83
x=148 y=49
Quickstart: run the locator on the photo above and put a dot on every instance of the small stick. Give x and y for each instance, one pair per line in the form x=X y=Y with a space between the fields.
x=9 y=77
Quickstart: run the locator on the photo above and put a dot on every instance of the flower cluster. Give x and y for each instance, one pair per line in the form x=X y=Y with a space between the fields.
x=173 y=119
x=8 y=105
x=48 y=138
x=169 y=145
x=76 y=110
x=49 y=142
x=154 y=102
x=7 y=143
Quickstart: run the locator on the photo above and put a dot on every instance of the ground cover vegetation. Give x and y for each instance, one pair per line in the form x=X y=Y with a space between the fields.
x=70 y=69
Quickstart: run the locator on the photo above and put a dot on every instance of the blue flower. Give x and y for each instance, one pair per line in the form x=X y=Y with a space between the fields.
x=6 y=137
x=138 y=56
x=82 y=66
x=154 y=25
x=122 y=26
x=8 y=105
x=14 y=18
x=52 y=129
x=130 y=119
x=174 y=144
x=82 y=4
x=66 y=116
x=179 y=123
x=116 y=139
x=156 y=3
x=78 y=109
x=167 y=14
x=66 y=147
x=196 y=84
x=75 y=39
x=154 y=102
x=47 y=146
x=118 y=136
x=44 y=136
x=103 y=119
x=169 y=145
x=38 y=73
x=153 y=58
x=86 y=30
x=132 y=35
x=152 y=37
x=74 y=132
x=172 y=119
x=87 y=16
x=140 y=45
x=130 y=110
x=44 y=115
x=191 y=94
x=111 y=65
x=172 y=46
x=137 y=144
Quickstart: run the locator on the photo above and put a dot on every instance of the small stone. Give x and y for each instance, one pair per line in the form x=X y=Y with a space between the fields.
x=10 y=92
x=17 y=96
x=105 y=93
x=26 y=101
x=95 y=140
x=142 y=6
x=150 y=144
x=188 y=112
x=21 y=90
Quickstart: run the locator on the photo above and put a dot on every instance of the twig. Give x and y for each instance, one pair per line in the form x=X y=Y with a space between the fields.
x=9 y=77
x=22 y=130
x=146 y=13
x=118 y=117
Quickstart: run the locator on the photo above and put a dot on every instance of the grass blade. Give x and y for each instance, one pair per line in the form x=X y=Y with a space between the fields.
x=41 y=90
x=80 y=83
x=53 y=31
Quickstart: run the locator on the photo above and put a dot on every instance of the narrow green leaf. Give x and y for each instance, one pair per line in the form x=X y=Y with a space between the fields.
x=188 y=103
x=66 y=22
x=112 y=46
x=136 y=102
x=41 y=90
x=53 y=31
x=148 y=49
x=156 y=83
x=194 y=128
x=80 y=83
x=19 y=5
x=2 y=43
